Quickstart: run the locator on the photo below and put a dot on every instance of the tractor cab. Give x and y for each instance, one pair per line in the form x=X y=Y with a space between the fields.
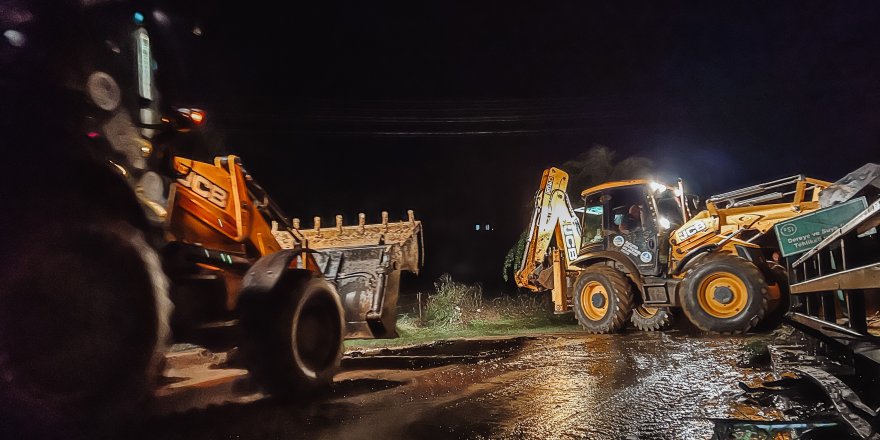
x=633 y=218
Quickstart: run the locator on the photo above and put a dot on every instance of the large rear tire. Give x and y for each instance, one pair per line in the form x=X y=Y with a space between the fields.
x=724 y=293
x=83 y=326
x=293 y=336
x=602 y=299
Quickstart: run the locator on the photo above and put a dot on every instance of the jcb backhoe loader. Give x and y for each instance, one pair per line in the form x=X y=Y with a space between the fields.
x=636 y=251
x=106 y=222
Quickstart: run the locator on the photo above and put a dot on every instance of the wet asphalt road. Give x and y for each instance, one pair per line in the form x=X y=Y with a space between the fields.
x=632 y=385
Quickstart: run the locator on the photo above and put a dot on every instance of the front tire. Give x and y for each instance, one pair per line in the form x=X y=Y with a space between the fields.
x=602 y=299
x=724 y=293
x=83 y=325
x=293 y=336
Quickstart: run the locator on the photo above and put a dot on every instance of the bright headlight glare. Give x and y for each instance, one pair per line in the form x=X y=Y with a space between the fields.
x=657 y=187
x=664 y=223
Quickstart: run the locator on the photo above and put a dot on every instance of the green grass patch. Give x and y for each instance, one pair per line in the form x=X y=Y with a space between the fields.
x=411 y=334
x=457 y=310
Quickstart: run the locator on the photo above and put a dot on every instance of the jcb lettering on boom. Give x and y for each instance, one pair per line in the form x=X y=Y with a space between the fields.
x=206 y=189
x=549 y=186
x=568 y=232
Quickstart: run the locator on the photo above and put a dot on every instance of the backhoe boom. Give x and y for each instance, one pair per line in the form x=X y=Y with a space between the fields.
x=553 y=217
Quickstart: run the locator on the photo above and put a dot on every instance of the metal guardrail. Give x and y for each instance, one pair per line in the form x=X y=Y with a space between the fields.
x=845 y=262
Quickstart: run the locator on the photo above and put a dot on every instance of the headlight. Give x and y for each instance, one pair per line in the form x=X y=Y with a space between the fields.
x=664 y=223
x=657 y=187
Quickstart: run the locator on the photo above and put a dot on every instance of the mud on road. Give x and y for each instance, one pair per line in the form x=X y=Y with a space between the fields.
x=634 y=385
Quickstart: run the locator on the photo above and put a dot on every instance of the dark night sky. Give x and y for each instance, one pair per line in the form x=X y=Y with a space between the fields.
x=454 y=109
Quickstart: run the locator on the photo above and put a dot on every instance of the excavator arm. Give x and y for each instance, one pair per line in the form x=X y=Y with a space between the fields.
x=543 y=265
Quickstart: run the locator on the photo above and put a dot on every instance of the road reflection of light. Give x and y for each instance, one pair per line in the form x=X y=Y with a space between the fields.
x=643 y=385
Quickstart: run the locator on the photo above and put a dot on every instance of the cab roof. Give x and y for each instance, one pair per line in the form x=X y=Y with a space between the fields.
x=614 y=184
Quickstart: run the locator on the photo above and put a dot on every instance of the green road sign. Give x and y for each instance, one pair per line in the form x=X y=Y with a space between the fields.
x=800 y=234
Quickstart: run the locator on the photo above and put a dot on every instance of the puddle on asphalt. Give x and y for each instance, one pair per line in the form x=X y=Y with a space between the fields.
x=354 y=387
x=635 y=385
x=450 y=347
x=436 y=354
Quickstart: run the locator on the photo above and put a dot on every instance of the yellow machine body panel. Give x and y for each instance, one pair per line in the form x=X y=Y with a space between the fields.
x=210 y=206
x=739 y=224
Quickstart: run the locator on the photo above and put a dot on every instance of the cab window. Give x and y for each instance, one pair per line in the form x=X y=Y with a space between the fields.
x=669 y=209
x=629 y=212
x=592 y=220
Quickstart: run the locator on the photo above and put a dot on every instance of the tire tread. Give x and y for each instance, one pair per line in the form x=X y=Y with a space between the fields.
x=623 y=300
x=753 y=274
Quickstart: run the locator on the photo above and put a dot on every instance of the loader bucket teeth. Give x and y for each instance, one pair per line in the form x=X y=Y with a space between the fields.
x=365 y=262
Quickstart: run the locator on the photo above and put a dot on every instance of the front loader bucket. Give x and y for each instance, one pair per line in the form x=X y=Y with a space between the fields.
x=365 y=262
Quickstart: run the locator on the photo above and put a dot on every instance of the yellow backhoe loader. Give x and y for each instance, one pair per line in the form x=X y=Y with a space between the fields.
x=637 y=250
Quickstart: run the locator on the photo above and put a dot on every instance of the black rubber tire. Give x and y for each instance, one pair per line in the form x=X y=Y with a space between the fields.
x=83 y=328
x=661 y=320
x=756 y=294
x=776 y=310
x=292 y=342
x=620 y=299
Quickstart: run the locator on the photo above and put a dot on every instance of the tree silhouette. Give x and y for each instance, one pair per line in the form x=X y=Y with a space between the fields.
x=597 y=165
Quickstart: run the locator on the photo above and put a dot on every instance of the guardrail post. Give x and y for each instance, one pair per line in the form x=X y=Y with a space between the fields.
x=829 y=313
x=812 y=305
x=855 y=308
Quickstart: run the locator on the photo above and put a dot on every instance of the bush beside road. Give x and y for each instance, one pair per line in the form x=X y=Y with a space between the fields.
x=459 y=310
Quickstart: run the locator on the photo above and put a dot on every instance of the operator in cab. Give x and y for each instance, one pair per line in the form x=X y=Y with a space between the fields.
x=632 y=220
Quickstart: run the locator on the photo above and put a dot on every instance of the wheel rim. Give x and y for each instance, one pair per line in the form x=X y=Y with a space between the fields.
x=594 y=300
x=722 y=295
x=647 y=312
x=316 y=332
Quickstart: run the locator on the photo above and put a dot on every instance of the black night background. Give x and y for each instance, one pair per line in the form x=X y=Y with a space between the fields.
x=453 y=109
